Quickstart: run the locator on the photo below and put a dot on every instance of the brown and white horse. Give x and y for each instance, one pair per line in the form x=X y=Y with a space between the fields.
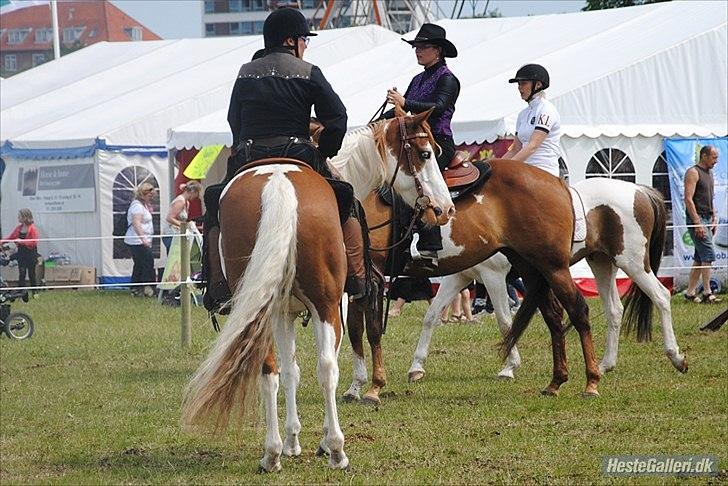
x=625 y=229
x=282 y=250
x=520 y=211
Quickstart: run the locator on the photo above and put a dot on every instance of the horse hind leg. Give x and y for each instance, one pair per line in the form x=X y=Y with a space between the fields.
x=449 y=288
x=327 y=328
x=566 y=292
x=271 y=461
x=605 y=273
x=285 y=336
x=553 y=314
x=660 y=296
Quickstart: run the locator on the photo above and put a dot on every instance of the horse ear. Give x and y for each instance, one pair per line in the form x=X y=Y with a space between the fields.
x=420 y=117
x=399 y=111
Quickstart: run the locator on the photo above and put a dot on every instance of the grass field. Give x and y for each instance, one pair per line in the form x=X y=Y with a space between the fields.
x=94 y=397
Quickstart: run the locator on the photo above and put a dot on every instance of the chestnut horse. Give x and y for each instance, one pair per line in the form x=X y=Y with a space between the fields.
x=282 y=251
x=526 y=214
x=625 y=229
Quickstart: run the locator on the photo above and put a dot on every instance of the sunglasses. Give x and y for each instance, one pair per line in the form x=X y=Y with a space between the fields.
x=306 y=40
x=423 y=46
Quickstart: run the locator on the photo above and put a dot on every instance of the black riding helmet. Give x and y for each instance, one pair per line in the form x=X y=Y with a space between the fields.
x=284 y=23
x=532 y=72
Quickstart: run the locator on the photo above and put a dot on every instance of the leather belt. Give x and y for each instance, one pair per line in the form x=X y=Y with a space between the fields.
x=278 y=140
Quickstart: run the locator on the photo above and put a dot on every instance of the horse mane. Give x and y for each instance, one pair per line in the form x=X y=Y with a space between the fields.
x=352 y=146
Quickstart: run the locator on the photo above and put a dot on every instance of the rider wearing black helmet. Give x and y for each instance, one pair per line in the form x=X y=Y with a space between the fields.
x=269 y=114
x=538 y=129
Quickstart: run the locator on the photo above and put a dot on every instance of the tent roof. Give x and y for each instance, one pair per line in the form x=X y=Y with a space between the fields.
x=130 y=93
x=653 y=69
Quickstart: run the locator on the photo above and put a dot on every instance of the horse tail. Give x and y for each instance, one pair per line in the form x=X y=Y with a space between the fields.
x=228 y=377
x=535 y=293
x=638 y=306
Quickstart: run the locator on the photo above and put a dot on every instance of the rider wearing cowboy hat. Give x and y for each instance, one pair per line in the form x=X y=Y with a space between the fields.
x=438 y=88
x=269 y=116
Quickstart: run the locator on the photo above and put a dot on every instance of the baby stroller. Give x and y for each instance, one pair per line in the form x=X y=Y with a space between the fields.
x=16 y=325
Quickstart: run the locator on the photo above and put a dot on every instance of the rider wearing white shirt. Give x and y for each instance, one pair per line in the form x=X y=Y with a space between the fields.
x=538 y=129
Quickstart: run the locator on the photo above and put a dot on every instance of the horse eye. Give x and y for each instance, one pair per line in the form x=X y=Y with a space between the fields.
x=425 y=155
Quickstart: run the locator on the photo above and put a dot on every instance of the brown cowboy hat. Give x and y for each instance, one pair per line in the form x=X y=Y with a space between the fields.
x=435 y=35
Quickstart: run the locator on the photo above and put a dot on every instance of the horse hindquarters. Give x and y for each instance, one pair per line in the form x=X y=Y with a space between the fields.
x=229 y=375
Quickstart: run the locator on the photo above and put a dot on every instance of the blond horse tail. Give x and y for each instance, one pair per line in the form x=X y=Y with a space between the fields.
x=228 y=378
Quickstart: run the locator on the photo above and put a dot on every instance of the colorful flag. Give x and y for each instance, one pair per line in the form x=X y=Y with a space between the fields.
x=201 y=163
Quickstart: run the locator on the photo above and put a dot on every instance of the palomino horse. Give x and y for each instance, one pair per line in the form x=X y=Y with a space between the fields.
x=282 y=249
x=526 y=214
x=625 y=229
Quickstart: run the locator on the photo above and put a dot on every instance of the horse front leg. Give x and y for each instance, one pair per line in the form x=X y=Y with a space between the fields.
x=449 y=288
x=379 y=374
x=355 y=325
x=493 y=274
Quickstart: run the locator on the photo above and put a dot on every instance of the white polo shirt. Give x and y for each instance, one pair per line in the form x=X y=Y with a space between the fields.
x=541 y=114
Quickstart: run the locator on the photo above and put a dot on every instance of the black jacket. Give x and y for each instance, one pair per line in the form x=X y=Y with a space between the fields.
x=273 y=96
x=445 y=95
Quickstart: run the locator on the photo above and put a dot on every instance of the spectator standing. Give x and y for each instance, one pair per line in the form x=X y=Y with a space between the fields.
x=138 y=238
x=25 y=236
x=179 y=209
x=701 y=214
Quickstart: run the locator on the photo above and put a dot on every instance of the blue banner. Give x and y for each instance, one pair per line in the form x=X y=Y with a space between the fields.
x=681 y=154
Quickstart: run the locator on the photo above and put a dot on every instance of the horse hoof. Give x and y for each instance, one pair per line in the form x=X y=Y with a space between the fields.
x=415 y=376
x=321 y=452
x=265 y=470
x=350 y=397
x=342 y=463
x=371 y=400
x=550 y=392
x=590 y=394
x=292 y=451
x=682 y=367
x=505 y=375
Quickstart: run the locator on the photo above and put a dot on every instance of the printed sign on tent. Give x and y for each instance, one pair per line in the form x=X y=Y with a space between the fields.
x=58 y=188
x=682 y=154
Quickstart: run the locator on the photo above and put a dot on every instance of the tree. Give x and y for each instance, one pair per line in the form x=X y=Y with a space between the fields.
x=604 y=4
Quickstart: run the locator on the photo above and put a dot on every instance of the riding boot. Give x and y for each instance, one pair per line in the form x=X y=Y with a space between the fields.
x=356 y=270
x=429 y=244
x=217 y=291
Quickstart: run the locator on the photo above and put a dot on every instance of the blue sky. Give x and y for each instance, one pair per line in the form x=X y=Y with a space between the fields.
x=174 y=19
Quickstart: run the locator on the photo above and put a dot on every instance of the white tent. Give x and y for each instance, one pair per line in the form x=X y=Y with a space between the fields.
x=653 y=70
x=106 y=109
x=622 y=79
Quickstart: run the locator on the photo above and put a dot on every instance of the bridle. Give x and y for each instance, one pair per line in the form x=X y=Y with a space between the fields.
x=423 y=202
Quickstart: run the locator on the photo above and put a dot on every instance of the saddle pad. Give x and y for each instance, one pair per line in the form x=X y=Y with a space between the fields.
x=579 y=216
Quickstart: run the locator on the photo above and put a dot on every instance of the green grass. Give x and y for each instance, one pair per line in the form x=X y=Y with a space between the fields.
x=94 y=397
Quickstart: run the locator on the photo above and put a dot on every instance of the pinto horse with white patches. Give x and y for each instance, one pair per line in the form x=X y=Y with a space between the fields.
x=625 y=228
x=524 y=213
x=282 y=249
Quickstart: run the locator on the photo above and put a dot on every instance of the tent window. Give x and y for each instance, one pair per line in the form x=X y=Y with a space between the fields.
x=661 y=182
x=563 y=169
x=611 y=163
x=122 y=195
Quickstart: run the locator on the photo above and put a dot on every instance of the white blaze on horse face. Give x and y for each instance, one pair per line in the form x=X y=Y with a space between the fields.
x=433 y=184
